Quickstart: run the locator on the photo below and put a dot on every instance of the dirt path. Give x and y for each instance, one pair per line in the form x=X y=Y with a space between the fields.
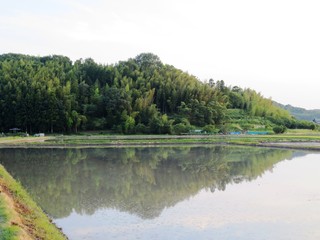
x=22 y=140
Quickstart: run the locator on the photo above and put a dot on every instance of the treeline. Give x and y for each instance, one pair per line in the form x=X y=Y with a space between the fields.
x=140 y=95
x=254 y=104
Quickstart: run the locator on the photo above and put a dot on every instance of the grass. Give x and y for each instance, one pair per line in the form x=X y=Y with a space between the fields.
x=99 y=140
x=25 y=216
x=8 y=138
x=123 y=139
x=7 y=232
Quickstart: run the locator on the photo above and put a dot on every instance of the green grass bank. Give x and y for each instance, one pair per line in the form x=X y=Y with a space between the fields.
x=20 y=217
x=297 y=139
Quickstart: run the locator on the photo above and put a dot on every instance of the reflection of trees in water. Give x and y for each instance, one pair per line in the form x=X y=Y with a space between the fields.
x=142 y=181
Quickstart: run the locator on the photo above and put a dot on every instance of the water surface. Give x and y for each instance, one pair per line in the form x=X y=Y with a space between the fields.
x=217 y=192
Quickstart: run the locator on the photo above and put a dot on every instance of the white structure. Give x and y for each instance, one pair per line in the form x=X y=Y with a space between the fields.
x=39 y=135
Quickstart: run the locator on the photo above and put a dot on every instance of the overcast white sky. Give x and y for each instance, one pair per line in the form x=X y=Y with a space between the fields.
x=271 y=46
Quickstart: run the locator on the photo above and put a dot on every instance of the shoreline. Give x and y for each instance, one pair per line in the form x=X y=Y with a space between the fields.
x=295 y=145
x=23 y=218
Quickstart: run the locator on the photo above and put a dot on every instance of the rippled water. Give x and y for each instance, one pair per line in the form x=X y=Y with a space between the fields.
x=217 y=192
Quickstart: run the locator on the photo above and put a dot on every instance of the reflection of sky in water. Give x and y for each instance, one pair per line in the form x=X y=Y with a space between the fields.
x=284 y=204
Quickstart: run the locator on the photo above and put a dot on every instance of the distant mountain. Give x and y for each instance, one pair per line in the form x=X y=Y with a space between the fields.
x=301 y=113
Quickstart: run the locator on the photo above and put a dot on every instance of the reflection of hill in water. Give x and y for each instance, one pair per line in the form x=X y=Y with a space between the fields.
x=141 y=181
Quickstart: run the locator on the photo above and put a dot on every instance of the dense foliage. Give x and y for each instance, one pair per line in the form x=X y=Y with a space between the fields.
x=140 y=95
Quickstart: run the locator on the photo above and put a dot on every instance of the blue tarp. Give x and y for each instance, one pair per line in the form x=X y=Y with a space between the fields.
x=257 y=133
x=235 y=133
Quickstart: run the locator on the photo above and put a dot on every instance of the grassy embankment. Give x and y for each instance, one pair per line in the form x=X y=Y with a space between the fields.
x=20 y=217
x=291 y=138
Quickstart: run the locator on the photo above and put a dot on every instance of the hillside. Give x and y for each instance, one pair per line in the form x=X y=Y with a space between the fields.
x=301 y=113
x=139 y=95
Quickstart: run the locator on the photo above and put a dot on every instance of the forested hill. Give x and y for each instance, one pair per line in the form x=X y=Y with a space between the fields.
x=140 y=95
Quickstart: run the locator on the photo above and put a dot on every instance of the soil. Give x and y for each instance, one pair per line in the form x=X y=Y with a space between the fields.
x=16 y=209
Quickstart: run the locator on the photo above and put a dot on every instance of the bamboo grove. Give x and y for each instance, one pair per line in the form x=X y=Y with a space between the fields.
x=140 y=95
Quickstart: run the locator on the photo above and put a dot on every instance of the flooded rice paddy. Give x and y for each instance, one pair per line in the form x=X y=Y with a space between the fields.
x=186 y=192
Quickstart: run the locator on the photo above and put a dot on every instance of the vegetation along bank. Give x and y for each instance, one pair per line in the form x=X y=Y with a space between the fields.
x=20 y=217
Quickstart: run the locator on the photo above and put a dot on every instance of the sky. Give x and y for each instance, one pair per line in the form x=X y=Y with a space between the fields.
x=270 y=46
